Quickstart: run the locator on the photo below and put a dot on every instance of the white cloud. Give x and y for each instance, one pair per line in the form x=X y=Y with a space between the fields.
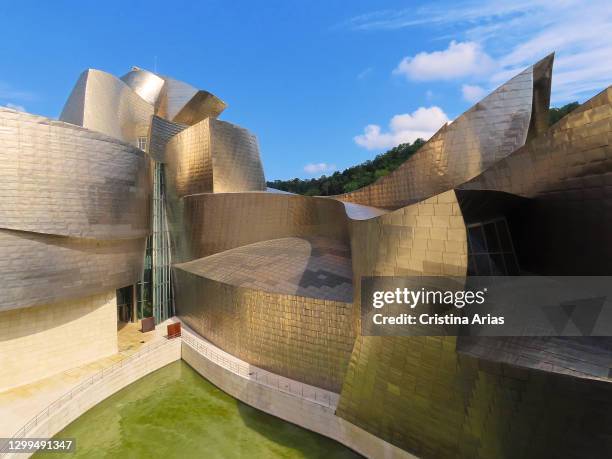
x=515 y=34
x=319 y=168
x=472 y=93
x=364 y=73
x=458 y=60
x=19 y=108
x=422 y=123
x=8 y=92
x=410 y=17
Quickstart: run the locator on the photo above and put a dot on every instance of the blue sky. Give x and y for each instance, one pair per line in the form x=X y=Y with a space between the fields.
x=324 y=85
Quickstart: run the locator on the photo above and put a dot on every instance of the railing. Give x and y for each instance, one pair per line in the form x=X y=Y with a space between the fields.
x=295 y=388
x=289 y=386
x=60 y=402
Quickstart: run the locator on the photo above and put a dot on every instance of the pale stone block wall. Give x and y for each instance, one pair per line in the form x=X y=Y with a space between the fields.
x=296 y=410
x=43 y=340
x=125 y=373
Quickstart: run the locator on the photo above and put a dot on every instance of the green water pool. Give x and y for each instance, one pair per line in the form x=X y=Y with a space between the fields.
x=175 y=413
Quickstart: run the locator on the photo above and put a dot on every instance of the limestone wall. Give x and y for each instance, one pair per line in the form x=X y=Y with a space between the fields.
x=108 y=384
x=42 y=340
x=291 y=408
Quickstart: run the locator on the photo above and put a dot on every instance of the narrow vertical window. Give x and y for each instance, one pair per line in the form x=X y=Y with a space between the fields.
x=490 y=249
x=142 y=143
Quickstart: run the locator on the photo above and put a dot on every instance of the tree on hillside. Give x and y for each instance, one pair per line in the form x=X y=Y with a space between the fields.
x=555 y=114
x=352 y=178
x=363 y=174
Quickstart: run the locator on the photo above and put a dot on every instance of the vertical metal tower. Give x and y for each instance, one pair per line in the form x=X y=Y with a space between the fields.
x=161 y=285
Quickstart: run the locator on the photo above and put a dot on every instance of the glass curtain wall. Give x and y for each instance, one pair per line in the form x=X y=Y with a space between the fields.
x=155 y=287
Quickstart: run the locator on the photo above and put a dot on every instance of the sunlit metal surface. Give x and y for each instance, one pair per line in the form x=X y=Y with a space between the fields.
x=489 y=131
x=79 y=195
x=554 y=192
x=314 y=267
x=144 y=83
x=210 y=228
x=426 y=238
x=61 y=179
x=202 y=105
x=175 y=96
x=306 y=338
x=214 y=156
x=567 y=174
x=268 y=276
x=41 y=268
x=161 y=132
x=274 y=190
x=361 y=212
x=398 y=387
x=102 y=102
x=79 y=191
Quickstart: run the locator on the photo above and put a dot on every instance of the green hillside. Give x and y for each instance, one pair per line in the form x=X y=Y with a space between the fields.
x=367 y=172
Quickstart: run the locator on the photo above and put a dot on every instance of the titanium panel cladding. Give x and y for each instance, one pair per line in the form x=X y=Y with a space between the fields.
x=310 y=267
x=214 y=156
x=202 y=105
x=144 y=83
x=493 y=400
x=306 y=339
x=236 y=162
x=222 y=221
x=161 y=132
x=489 y=131
x=436 y=402
x=567 y=173
x=176 y=94
x=60 y=179
x=40 y=268
x=427 y=238
x=189 y=161
x=102 y=102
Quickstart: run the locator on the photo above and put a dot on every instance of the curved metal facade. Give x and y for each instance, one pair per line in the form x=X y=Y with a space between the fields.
x=316 y=267
x=77 y=211
x=488 y=132
x=144 y=83
x=567 y=175
x=174 y=100
x=267 y=276
x=214 y=156
x=161 y=132
x=209 y=227
x=201 y=106
x=64 y=180
x=43 y=268
x=175 y=96
x=301 y=337
x=435 y=397
x=436 y=402
x=102 y=102
x=480 y=389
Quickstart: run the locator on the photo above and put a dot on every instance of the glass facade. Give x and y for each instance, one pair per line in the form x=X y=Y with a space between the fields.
x=125 y=302
x=154 y=293
x=142 y=143
x=162 y=299
x=490 y=249
x=145 y=306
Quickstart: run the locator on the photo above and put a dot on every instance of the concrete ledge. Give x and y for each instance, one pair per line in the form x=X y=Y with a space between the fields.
x=101 y=389
x=297 y=410
x=309 y=407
